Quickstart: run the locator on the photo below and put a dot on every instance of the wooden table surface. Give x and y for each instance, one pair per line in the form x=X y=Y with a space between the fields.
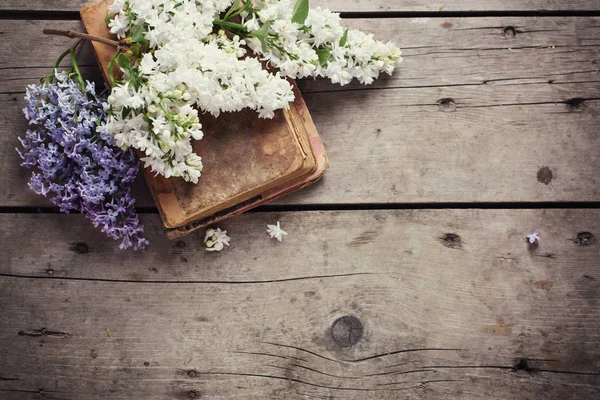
x=406 y=273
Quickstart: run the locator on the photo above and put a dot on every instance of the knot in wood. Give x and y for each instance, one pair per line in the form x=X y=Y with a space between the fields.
x=585 y=239
x=576 y=104
x=347 y=331
x=523 y=365
x=510 y=31
x=451 y=240
x=80 y=248
x=447 y=104
x=545 y=175
x=192 y=394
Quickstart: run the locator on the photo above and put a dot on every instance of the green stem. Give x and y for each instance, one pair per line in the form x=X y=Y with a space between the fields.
x=76 y=69
x=52 y=75
x=228 y=24
x=234 y=6
x=237 y=12
x=111 y=66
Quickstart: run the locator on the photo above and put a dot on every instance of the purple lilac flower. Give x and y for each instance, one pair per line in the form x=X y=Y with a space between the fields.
x=75 y=160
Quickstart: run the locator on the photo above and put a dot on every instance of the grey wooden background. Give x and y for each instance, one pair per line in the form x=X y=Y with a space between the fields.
x=487 y=131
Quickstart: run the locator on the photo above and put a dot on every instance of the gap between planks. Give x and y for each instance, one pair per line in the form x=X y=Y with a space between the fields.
x=375 y=6
x=74 y=15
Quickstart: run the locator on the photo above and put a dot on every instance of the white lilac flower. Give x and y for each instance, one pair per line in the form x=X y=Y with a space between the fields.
x=319 y=47
x=533 y=237
x=119 y=25
x=276 y=232
x=189 y=69
x=215 y=239
x=177 y=67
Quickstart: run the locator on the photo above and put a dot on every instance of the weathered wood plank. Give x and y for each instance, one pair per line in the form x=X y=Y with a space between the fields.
x=469 y=121
x=482 y=152
x=362 y=5
x=524 y=322
x=437 y=52
x=491 y=149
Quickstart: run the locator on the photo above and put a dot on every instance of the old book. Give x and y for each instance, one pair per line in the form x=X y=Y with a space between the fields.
x=247 y=160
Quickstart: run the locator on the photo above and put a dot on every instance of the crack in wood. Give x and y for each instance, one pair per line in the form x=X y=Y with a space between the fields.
x=20 y=391
x=421 y=383
x=400 y=352
x=175 y=282
x=312 y=370
x=522 y=365
x=39 y=392
x=325 y=373
x=359 y=360
x=549 y=255
x=539 y=103
x=271 y=355
x=414 y=371
x=316 y=384
x=42 y=332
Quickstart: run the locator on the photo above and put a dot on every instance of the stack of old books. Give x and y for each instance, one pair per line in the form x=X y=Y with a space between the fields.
x=248 y=161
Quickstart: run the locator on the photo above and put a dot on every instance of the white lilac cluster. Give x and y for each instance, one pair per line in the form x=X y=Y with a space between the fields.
x=174 y=66
x=186 y=68
x=316 y=44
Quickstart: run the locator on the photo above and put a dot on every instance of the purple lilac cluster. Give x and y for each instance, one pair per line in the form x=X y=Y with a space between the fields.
x=75 y=160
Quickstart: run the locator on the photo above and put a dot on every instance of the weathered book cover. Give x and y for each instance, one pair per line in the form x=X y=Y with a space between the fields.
x=247 y=160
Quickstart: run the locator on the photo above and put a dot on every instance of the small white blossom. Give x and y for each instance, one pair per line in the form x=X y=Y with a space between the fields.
x=276 y=232
x=533 y=237
x=215 y=239
x=118 y=26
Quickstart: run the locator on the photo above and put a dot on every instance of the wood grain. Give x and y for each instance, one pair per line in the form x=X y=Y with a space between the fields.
x=437 y=52
x=465 y=119
x=359 y=5
x=454 y=304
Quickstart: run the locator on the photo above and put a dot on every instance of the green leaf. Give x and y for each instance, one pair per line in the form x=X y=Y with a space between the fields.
x=234 y=7
x=138 y=34
x=323 y=56
x=111 y=72
x=262 y=34
x=107 y=19
x=135 y=49
x=232 y=25
x=300 y=11
x=344 y=38
x=123 y=61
